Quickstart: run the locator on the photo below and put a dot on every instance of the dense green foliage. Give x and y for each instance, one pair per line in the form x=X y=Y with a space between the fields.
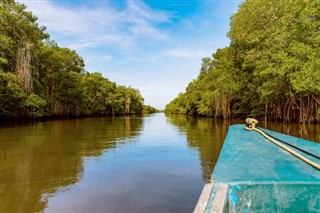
x=147 y=109
x=39 y=78
x=271 y=68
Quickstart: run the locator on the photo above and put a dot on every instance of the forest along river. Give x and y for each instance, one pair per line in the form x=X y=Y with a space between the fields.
x=155 y=163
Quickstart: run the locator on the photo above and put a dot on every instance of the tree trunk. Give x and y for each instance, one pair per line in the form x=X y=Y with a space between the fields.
x=127 y=105
x=23 y=67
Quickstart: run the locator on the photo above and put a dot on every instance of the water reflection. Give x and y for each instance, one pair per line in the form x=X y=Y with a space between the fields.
x=309 y=132
x=206 y=135
x=43 y=158
x=127 y=164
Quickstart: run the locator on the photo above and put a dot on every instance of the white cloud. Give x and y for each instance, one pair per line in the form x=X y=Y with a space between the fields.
x=107 y=58
x=188 y=24
x=96 y=26
x=138 y=10
x=72 y=22
x=184 y=53
x=94 y=42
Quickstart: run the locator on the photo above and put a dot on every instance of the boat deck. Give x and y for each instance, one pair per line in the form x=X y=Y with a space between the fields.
x=256 y=175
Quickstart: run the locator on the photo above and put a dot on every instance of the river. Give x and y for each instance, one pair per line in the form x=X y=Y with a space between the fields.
x=154 y=163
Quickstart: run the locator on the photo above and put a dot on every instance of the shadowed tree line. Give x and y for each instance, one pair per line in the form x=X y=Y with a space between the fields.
x=39 y=78
x=270 y=70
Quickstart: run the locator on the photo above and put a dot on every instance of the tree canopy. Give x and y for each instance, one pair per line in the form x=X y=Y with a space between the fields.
x=40 y=78
x=271 y=68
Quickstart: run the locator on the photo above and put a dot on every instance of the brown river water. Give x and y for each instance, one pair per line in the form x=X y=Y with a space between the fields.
x=154 y=163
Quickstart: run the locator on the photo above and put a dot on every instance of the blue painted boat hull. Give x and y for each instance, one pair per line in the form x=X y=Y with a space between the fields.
x=262 y=177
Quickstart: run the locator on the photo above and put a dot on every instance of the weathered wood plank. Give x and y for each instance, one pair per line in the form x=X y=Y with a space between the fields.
x=204 y=198
x=220 y=200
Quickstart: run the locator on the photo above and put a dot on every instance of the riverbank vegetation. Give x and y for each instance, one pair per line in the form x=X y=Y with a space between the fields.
x=271 y=69
x=147 y=109
x=40 y=78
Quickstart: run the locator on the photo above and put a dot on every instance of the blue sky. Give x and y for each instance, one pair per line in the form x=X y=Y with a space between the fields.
x=155 y=46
